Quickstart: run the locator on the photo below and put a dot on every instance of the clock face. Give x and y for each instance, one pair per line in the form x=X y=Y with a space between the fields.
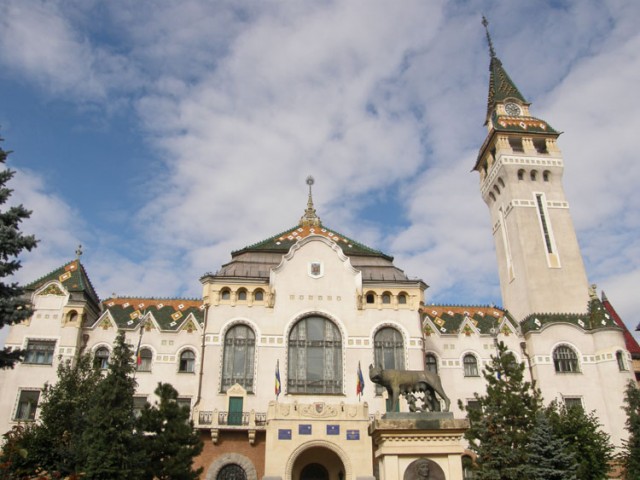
x=512 y=109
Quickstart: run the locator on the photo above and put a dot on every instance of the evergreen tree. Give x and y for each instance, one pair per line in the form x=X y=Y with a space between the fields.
x=111 y=445
x=169 y=438
x=630 y=456
x=500 y=427
x=585 y=439
x=549 y=457
x=64 y=417
x=13 y=307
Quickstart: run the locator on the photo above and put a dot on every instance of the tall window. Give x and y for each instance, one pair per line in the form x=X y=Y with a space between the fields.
x=40 y=352
x=239 y=348
x=187 y=362
x=145 y=360
x=620 y=359
x=470 y=365
x=315 y=357
x=431 y=363
x=545 y=226
x=101 y=358
x=388 y=351
x=27 y=404
x=565 y=359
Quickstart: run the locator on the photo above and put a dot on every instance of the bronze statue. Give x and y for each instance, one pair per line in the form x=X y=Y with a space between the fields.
x=408 y=383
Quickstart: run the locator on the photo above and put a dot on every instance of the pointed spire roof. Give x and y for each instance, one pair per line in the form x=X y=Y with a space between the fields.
x=501 y=87
x=310 y=219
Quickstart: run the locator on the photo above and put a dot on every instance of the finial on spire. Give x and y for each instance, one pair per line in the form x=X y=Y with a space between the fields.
x=485 y=22
x=310 y=218
x=78 y=252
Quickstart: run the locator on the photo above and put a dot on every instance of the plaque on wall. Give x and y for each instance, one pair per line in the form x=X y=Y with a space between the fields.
x=304 y=429
x=353 y=434
x=284 y=434
x=333 y=429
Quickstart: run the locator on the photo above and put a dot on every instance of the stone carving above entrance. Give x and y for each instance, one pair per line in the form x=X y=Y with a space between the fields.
x=318 y=410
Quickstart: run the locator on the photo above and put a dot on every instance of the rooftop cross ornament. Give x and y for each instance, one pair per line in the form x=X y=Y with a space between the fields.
x=485 y=22
x=310 y=218
x=78 y=252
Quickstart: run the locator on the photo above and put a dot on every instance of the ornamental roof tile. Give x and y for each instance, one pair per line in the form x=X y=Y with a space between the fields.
x=282 y=242
x=169 y=313
x=596 y=317
x=449 y=319
x=72 y=276
x=506 y=123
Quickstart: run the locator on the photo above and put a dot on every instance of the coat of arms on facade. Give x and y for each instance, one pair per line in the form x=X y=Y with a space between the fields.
x=315 y=269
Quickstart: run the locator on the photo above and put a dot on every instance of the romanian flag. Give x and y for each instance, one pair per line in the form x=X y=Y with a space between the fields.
x=278 y=388
x=360 y=382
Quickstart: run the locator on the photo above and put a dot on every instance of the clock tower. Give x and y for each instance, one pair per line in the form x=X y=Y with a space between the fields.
x=520 y=166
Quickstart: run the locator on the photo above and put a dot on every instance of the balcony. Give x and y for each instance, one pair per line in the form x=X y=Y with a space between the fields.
x=216 y=419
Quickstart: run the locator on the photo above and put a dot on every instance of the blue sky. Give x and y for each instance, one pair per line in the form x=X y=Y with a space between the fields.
x=163 y=135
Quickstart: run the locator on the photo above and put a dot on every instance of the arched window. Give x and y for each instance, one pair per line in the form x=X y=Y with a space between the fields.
x=402 y=298
x=315 y=357
x=225 y=294
x=534 y=175
x=258 y=295
x=239 y=350
x=546 y=175
x=386 y=298
x=72 y=316
x=231 y=471
x=187 y=362
x=242 y=295
x=492 y=196
x=496 y=189
x=470 y=365
x=388 y=351
x=145 y=359
x=565 y=359
x=371 y=297
x=431 y=363
x=101 y=358
x=521 y=174
x=620 y=359
x=501 y=182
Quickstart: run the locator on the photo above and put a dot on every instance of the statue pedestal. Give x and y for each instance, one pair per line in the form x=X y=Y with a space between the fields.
x=420 y=446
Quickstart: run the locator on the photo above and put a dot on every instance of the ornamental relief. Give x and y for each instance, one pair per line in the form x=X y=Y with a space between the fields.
x=318 y=410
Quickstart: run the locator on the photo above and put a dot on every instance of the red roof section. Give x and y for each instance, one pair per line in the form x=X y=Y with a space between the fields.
x=630 y=342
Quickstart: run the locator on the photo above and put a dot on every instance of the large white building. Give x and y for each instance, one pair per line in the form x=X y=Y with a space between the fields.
x=315 y=306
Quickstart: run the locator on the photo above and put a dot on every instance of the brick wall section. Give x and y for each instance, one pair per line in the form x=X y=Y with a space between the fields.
x=232 y=442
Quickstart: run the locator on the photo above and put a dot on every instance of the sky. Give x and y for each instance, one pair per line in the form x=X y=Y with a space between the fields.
x=164 y=135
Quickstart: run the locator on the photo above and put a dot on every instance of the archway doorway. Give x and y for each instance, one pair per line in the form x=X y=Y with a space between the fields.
x=314 y=471
x=318 y=463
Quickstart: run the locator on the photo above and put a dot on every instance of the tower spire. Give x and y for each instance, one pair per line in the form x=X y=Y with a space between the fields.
x=310 y=218
x=501 y=87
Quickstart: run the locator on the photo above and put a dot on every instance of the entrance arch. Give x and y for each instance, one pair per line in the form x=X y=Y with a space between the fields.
x=318 y=460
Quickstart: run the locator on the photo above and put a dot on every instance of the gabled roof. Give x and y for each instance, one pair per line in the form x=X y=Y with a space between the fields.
x=595 y=318
x=282 y=242
x=169 y=313
x=74 y=278
x=631 y=343
x=449 y=318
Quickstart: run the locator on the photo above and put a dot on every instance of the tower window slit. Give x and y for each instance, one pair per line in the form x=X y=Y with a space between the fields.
x=545 y=227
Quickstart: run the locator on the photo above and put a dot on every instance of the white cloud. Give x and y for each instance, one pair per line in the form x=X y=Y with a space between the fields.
x=241 y=102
